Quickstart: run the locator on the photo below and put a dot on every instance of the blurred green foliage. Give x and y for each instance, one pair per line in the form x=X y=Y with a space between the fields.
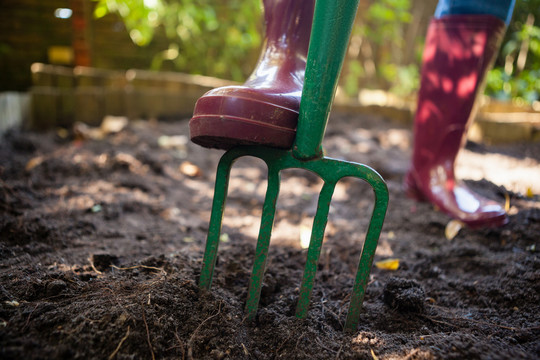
x=222 y=38
x=516 y=74
x=379 y=58
x=212 y=37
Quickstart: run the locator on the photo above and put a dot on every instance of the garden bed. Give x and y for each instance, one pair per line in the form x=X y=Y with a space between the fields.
x=102 y=235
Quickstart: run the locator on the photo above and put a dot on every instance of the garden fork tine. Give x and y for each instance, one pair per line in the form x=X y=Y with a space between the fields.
x=332 y=25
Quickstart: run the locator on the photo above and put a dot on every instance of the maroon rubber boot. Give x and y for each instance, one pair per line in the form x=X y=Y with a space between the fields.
x=458 y=52
x=264 y=111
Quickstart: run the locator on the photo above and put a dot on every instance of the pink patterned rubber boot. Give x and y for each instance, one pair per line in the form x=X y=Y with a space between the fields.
x=458 y=52
x=264 y=111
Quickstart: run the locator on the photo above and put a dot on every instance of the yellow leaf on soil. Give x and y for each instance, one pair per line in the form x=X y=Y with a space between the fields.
x=452 y=229
x=506 y=202
x=32 y=163
x=388 y=264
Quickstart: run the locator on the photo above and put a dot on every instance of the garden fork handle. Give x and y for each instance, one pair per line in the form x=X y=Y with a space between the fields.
x=332 y=24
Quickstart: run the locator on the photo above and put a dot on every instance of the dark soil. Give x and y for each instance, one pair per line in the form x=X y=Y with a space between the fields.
x=101 y=244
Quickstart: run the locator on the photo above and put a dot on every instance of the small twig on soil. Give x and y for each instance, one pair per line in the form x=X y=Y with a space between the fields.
x=91 y=321
x=281 y=345
x=476 y=321
x=140 y=266
x=246 y=352
x=324 y=347
x=333 y=313
x=93 y=267
x=439 y=321
x=411 y=354
x=327 y=259
x=190 y=341
x=344 y=300
x=6 y=293
x=148 y=334
x=422 y=337
x=342 y=303
x=181 y=343
x=185 y=283
x=29 y=316
x=298 y=341
x=119 y=345
x=339 y=352
x=118 y=302
x=491 y=324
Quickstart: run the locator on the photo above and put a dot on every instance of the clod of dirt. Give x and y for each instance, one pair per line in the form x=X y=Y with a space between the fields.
x=404 y=295
x=17 y=232
x=55 y=287
x=103 y=262
x=22 y=143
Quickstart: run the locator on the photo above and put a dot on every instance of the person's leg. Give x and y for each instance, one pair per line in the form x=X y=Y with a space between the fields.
x=264 y=111
x=501 y=9
x=461 y=44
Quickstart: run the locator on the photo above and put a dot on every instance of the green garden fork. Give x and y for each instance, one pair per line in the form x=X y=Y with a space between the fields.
x=332 y=24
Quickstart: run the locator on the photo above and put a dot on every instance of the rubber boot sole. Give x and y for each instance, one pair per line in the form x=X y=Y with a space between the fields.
x=225 y=121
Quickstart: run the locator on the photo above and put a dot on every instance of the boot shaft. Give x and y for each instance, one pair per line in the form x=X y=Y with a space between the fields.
x=288 y=24
x=459 y=51
x=282 y=63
